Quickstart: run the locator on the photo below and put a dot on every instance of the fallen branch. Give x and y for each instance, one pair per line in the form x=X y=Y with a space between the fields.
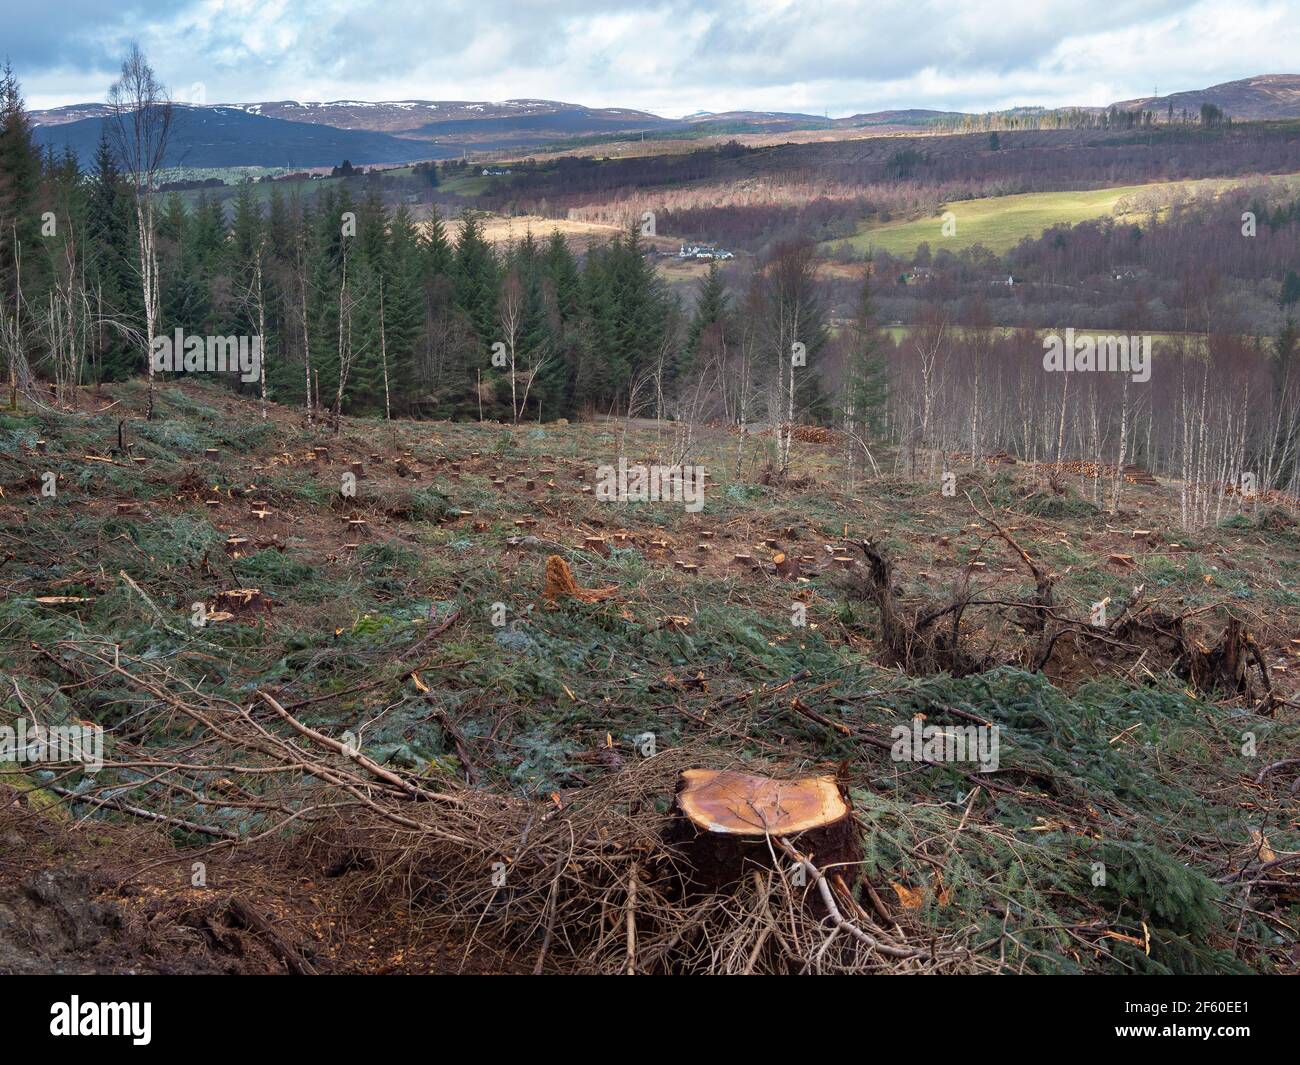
x=837 y=919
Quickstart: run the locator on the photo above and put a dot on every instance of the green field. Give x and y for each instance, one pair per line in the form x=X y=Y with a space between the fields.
x=1001 y=222
x=899 y=333
x=261 y=190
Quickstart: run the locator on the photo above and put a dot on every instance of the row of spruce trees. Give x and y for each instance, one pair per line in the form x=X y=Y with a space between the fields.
x=408 y=318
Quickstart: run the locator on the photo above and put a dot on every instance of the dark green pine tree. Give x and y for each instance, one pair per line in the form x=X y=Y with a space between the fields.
x=110 y=277
x=387 y=313
x=207 y=236
x=287 y=227
x=642 y=305
x=548 y=396
x=247 y=227
x=185 y=302
x=328 y=252
x=603 y=366
x=438 y=255
x=257 y=306
x=403 y=308
x=335 y=212
x=20 y=191
x=710 y=331
x=324 y=285
x=626 y=310
x=561 y=270
x=449 y=349
x=372 y=224
x=281 y=231
x=866 y=386
x=171 y=219
x=477 y=282
x=68 y=190
x=563 y=283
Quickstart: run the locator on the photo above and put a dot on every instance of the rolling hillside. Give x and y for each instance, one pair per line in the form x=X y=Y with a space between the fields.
x=1266 y=96
x=229 y=136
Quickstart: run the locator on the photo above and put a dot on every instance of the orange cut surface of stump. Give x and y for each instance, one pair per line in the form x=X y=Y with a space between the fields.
x=742 y=804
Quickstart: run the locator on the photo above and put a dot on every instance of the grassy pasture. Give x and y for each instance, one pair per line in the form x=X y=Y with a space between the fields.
x=1001 y=222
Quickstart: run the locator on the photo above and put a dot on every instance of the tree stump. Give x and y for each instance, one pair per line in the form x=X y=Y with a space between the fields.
x=240 y=601
x=785 y=565
x=724 y=819
x=1223 y=667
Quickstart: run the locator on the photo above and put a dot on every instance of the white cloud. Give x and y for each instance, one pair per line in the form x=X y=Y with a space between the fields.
x=671 y=56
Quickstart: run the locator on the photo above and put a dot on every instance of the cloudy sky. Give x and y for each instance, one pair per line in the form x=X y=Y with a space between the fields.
x=670 y=57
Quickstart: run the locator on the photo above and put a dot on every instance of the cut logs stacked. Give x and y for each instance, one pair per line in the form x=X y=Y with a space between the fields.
x=1137 y=475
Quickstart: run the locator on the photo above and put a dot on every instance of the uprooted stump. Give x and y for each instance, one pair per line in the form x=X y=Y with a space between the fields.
x=920 y=640
x=1223 y=668
x=728 y=824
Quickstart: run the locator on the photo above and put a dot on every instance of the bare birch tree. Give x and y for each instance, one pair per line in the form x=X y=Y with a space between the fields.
x=140 y=125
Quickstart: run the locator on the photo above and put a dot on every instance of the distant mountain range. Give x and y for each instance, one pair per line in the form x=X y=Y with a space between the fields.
x=231 y=136
x=431 y=120
x=293 y=134
x=288 y=133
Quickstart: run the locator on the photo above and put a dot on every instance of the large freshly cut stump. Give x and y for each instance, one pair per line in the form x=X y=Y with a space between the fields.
x=725 y=819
